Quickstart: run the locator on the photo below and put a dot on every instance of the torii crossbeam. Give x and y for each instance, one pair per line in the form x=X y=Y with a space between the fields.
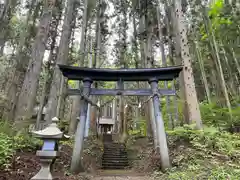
x=88 y=75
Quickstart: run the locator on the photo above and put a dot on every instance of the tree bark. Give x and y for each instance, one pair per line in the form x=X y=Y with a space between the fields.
x=187 y=73
x=28 y=93
x=76 y=100
x=216 y=57
x=19 y=67
x=164 y=64
x=62 y=57
x=204 y=77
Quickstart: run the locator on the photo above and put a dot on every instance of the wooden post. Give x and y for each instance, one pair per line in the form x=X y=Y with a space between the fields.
x=165 y=162
x=114 y=114
x=121 y=107
x=76 y=165
x=105 y=111
x=88 y=121
x=154 y=127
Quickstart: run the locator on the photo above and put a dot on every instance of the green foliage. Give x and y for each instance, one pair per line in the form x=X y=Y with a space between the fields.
x=11 y=141
x=175 y=110
x=203 y=154
x=140 y=130
x=3 y=100
x=198 y=172
x=6 y=150
x=209 y=139
x=215 y=115
x=212 y=114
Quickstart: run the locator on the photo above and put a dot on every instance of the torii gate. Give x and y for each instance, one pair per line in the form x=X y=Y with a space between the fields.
x=88 y=75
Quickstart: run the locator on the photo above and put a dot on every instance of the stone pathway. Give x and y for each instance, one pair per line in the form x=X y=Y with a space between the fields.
x=119 y=175
x=122 y=178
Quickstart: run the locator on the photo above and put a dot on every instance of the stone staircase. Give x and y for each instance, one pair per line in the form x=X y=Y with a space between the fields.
x=114 y=155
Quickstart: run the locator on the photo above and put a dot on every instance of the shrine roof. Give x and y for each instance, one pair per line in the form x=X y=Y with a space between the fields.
x=104 y=120
x=101 y=74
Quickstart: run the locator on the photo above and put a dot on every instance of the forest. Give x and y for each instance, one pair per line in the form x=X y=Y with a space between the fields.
x=202 y=120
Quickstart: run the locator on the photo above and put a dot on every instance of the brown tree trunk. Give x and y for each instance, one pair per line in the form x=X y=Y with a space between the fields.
x=96 y=63
x=76 y=100
x=191 y=100
x=20 y=66
x=62 y=57
x=28 y=93
x=5 y=16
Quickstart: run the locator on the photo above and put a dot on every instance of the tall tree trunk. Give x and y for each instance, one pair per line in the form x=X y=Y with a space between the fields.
x=124 y=64
x=21 y=64
x=51 y=60
x=76 y=100
x=62 y=58
x=6 y=14
x=216 y=57
x=223 y=83
x=204 y=77
x=229 y=71
x=145 y=57
x=236 y=61
x=164 y=64
x=187 y=74
x=98 y=36
x=28 y=93
x=46 y=87
x=4 y=10
x=137 y=61
x=169 y=24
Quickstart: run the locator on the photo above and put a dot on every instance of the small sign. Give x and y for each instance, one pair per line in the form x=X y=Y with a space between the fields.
x=49 y=145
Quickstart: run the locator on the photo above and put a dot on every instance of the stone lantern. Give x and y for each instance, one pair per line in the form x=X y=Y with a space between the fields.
x=49 y=152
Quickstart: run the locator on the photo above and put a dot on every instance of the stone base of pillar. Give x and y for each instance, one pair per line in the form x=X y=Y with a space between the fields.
x=46 y=160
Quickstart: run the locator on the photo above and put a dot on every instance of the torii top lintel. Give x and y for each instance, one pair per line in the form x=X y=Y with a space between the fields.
x=100 y=74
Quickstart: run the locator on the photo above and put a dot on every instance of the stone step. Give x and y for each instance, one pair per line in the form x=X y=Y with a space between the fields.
x=114 y=167
x=105 y=164
x=115 y=152
x=114 y=158
x=115 y=148
x=114 y=161
x=114 y=144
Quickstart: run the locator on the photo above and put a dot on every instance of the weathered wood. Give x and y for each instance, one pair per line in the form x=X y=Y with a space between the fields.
x=76 y=165
x=163 y=147
x=100 y=74
x=126 y=92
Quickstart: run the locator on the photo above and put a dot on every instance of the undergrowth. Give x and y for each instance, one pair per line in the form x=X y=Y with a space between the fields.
x=203 y=154
x=12 y=141
x=195 y=154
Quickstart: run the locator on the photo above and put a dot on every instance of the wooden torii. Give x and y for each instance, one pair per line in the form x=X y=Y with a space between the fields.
x=88 y=75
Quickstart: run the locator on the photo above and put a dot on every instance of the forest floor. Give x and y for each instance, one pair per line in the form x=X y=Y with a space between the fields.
x=25 y=165
x=194 y=154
